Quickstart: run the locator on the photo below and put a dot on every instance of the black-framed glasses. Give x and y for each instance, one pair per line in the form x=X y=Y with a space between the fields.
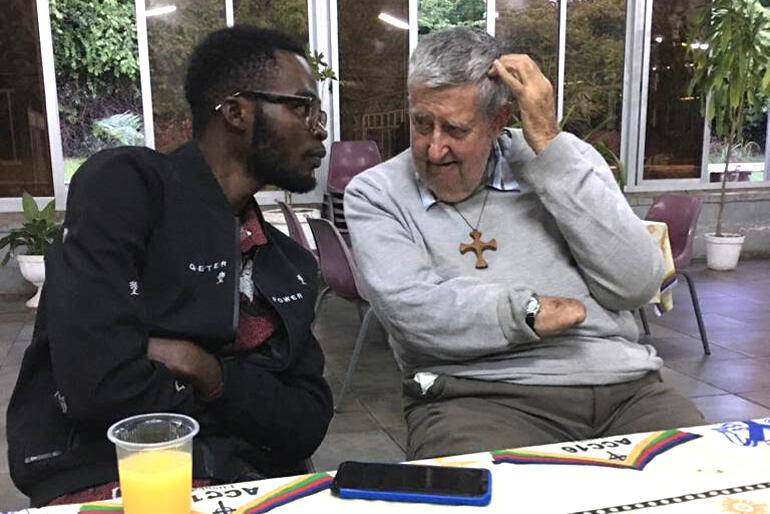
x=315 y=118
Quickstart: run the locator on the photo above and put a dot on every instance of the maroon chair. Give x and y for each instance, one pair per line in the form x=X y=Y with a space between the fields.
x=680 y=213
x=338 y=270
x=295 y=228
x=346 y=160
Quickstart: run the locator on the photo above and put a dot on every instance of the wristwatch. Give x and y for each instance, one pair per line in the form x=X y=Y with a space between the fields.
x=532 y=308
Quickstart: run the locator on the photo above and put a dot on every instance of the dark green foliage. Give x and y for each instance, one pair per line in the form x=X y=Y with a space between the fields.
x=442 y=14
x=95 y=38
x=97 y=66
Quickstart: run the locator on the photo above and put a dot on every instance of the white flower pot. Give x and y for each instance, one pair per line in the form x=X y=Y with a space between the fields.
x=722 y=253
x=33 y=269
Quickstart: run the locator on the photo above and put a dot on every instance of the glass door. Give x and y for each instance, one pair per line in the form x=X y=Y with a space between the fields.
x=25 y=163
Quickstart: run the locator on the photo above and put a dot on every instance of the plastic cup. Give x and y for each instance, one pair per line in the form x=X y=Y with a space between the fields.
x=155 y=462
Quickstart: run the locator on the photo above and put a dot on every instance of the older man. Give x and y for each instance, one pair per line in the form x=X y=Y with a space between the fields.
x=505 y=264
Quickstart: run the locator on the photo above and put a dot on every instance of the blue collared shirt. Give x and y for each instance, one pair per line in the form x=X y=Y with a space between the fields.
x=499 y=176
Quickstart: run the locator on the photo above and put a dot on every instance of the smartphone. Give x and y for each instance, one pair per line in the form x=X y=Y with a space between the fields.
x=413 y=483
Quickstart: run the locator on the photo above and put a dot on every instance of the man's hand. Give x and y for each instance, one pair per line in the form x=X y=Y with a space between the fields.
x=189 y=362
x=558 y=314
x=534 y=94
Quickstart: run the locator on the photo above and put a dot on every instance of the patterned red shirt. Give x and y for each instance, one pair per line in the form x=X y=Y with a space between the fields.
x=257 y=320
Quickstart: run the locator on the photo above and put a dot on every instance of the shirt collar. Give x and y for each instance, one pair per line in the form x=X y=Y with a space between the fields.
x=498 y=174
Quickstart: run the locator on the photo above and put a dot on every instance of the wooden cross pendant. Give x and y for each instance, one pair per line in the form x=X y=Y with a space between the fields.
x=478 y=246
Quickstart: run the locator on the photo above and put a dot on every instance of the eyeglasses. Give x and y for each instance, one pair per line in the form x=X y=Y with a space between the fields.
x=314 y=117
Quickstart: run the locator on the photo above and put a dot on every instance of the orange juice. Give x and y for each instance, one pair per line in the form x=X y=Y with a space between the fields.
x=156 y=482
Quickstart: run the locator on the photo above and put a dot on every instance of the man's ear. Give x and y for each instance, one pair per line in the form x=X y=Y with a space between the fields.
x=234 y=113
x=502 y=117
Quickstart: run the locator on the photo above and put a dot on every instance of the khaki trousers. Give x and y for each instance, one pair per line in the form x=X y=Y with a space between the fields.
x=458 y=415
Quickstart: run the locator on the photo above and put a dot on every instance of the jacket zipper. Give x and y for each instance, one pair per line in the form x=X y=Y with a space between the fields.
x=237 y=275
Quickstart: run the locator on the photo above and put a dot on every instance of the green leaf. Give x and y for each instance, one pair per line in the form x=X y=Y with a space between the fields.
x=48 y=213
x=29 y=206
x=765 y=83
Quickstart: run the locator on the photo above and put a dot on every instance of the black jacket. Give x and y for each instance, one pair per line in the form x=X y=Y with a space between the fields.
x=150 y=247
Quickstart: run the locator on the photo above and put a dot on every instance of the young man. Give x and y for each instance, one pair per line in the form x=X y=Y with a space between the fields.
x=167 y=292
x=518 y=265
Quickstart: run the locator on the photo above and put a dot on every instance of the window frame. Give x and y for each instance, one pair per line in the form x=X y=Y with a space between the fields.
x=324 y=38
x=634 y=115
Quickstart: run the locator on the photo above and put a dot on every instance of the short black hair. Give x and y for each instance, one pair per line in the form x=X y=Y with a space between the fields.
x=228 y=60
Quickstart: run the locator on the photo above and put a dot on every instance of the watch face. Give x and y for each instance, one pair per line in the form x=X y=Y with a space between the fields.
x=533 y=305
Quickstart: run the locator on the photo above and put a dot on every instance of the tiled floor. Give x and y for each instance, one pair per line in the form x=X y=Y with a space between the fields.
x=733 y=383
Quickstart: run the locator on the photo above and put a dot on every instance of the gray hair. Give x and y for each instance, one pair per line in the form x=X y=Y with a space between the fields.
x=457 y=56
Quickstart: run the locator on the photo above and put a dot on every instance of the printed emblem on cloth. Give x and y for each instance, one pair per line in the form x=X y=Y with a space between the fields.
x=746 y=433
x=614 y=452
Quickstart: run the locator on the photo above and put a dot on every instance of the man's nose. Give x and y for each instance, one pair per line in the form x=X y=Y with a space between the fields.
x=437 y=147
x=319 y=132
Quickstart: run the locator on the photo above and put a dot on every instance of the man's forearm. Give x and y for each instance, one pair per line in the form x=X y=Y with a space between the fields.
x=618 y=260
x=189 y=362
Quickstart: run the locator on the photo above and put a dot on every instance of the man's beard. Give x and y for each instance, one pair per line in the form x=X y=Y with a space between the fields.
x=267 y=159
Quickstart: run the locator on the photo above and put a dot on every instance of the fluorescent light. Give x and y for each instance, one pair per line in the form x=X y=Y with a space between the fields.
x=157 y=11
x=391 y=20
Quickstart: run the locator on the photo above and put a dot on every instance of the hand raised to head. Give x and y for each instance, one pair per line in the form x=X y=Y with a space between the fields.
x=534 y=94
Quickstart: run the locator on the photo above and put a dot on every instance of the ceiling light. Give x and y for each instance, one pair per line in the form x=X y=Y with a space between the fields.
x=158 y=11
x=392 y=20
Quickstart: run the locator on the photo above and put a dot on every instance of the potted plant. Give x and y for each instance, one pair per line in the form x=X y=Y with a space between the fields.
x=36 y=235
x=730 y=46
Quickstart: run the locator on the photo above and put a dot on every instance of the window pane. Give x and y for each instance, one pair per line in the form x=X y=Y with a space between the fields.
x=97 y=77
x=171 y=37
x=747 y=162
x=441 y=14
x=530 y=27
x=594 y=70
x=674 y=136
x=25 y=163
x=373 y=67
x=289 y=16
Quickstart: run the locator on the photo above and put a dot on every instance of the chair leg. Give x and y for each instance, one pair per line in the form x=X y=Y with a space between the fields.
x=320 y=298
x=354 y=358
x=696 y=307
x=643 y=317
x=317 y=307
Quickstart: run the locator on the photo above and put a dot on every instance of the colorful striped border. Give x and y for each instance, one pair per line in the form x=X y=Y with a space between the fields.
x=99 y=508
x=303 y=486
x=109 y=508
x=641 y=454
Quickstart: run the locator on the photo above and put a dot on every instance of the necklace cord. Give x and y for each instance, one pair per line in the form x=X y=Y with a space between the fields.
x=481 y=213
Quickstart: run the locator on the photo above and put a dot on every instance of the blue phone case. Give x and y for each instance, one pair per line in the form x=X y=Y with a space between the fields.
x=403 y=496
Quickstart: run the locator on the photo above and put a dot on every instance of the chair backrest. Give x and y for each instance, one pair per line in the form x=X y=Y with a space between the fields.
x=680 y=213
x=292 y=222
x=349 y=158
x=337 y=266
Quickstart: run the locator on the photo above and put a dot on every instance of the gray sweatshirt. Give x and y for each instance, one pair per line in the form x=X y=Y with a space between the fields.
x=568 y=232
